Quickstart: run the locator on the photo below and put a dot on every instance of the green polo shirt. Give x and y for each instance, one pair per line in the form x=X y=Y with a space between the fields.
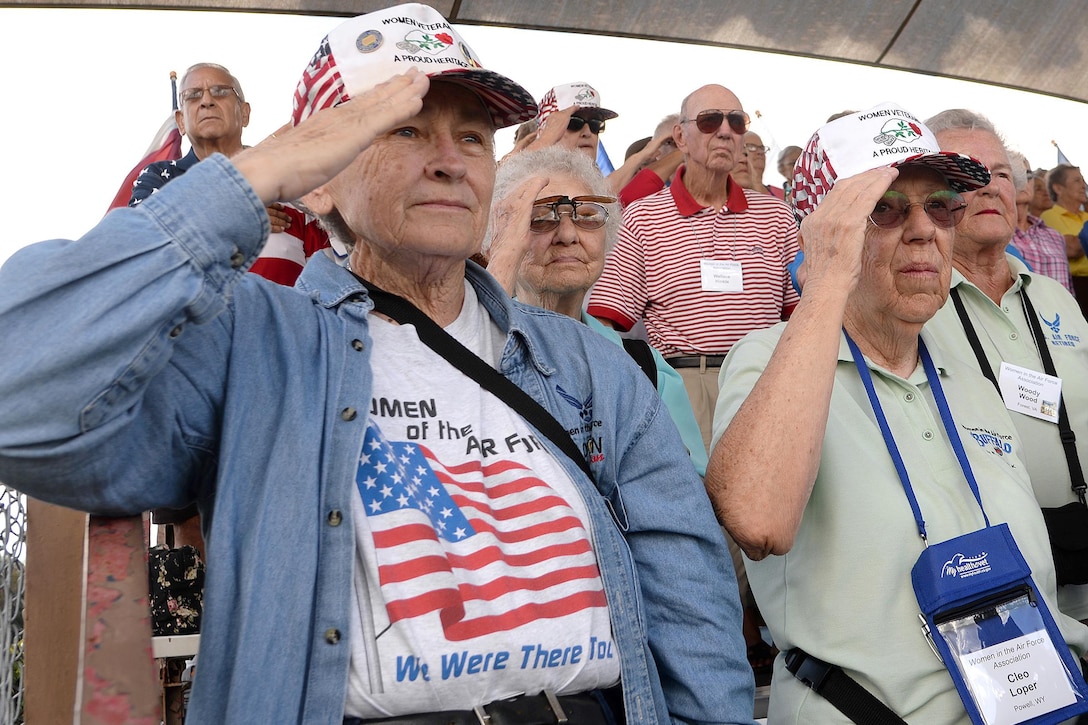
x=1005 y=336
x=843 y=593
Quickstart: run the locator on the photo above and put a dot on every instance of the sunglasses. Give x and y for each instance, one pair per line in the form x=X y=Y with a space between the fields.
x=195 y=94
x=710 y=121
x=944 y=208
x=575 y=123
x=586 y=212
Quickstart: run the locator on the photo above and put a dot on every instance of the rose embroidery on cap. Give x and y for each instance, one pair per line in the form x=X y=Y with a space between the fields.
x=417 y=40
x=898 y=130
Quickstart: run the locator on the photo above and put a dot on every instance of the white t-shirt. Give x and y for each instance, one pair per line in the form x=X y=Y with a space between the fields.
x=475 y=578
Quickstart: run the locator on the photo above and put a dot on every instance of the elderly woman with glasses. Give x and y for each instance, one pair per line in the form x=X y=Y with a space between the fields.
x=553 y=221
x=837 y=458
x=504 y=533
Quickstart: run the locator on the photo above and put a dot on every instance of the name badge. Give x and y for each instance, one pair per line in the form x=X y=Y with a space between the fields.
x=721 y=275
x=1016 y=679
x=994 y=632
x=1030 y=392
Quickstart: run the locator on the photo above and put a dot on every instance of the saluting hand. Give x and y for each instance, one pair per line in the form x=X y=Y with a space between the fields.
x=295 y=160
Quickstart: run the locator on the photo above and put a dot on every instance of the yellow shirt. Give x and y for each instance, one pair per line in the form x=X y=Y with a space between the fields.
x=1070 y=223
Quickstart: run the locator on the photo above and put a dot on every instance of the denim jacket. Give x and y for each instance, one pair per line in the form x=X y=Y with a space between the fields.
x=151 y=371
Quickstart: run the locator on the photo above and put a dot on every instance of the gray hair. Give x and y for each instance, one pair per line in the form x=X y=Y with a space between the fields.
x=215 y=66
x=555 y=160
x=667 y=123
x=333 y=223
x=789 y=150
x=1019 y=170
x=961 y=119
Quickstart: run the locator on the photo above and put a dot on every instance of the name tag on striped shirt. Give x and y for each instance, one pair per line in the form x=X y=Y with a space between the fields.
x=720 y=275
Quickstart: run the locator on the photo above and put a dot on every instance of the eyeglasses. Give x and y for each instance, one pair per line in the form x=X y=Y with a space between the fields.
x=756 y=148
x=575 y=123
x=944 y=208
x=586 y=212
x=710 y=121
x=195 y=94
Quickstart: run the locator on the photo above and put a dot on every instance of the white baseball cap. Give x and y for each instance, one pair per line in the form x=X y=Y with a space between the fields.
x=370 y=49
x=884 y=135
x=581 y=95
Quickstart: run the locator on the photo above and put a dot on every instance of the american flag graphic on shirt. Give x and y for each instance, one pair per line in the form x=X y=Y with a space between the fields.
x=489 y=546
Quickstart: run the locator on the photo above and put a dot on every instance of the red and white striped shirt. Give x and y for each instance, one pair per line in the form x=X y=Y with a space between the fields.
x=653 y=272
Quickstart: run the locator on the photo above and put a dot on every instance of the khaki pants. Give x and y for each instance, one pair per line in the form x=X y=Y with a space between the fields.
x=702 y=387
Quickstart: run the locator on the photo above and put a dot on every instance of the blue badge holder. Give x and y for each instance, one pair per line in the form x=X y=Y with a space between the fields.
x=976 y=593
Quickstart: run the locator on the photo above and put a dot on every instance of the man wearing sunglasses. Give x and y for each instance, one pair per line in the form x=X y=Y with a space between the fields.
x=704 y=261
x=1000 y=297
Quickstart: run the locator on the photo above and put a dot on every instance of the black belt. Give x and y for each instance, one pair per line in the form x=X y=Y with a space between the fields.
x=696 y=361
x=585 y=708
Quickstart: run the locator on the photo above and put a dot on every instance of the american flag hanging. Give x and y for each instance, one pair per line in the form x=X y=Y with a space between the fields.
x=488 y=546
x=165 y=146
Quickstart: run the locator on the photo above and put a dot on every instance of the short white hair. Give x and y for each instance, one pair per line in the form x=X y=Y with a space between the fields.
x=215 y=66
x=555 y=160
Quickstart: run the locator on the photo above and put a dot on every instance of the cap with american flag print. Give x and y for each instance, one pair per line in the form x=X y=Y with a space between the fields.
x=884 y=135
x=581 y=95
x=370 y=49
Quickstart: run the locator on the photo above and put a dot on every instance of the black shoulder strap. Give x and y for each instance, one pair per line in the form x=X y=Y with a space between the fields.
x=834 y=685
x=1065 y=432
x=643 y=354
x=972 y=337
x=473 y=366
x=1069 y=438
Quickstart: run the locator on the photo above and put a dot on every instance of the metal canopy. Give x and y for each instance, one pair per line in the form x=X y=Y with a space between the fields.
x=1036 y=45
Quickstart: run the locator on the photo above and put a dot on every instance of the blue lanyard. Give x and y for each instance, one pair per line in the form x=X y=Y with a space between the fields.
x=889 y=439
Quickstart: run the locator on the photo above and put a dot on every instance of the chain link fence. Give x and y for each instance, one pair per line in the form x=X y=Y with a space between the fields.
x=12 y=568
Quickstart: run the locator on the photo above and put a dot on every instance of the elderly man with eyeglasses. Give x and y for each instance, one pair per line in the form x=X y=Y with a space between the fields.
x=703 y=262
x=212 y=113
x=751 y=165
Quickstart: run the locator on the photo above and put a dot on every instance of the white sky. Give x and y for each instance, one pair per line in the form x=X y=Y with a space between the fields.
x=85 y=91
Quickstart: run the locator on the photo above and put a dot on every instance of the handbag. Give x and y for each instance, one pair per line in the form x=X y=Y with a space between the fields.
x=176 y=589
x=1066 y=526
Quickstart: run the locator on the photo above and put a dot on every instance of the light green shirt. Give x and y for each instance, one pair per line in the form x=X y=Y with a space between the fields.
x=843 y=593
x=1005 y=336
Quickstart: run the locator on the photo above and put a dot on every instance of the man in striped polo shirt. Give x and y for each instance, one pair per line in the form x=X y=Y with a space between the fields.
x=703 y=261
